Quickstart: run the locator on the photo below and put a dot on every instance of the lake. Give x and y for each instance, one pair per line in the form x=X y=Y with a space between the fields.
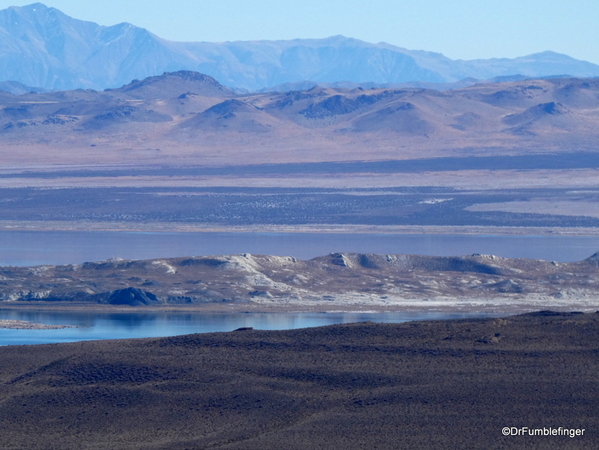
x=24 y=248
x=93 y=326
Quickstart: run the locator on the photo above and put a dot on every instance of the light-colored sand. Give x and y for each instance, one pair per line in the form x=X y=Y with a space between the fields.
x=24 y=325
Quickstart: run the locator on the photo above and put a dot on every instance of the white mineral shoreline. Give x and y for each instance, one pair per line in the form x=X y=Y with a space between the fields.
x=24 y=325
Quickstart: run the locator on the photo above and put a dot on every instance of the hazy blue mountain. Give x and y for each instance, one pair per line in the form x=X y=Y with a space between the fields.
x=16 y=88
x=306 y=84
x=41 y=46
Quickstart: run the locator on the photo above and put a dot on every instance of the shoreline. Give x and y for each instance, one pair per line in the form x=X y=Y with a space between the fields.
x=177 y=227
x=244 y=308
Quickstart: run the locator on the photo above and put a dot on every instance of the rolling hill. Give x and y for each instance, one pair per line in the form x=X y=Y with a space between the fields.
x=419 y=385
x=190 y=115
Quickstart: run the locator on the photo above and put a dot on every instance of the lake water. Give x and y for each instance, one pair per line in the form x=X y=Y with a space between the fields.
x=24 y=248
x=92 y=326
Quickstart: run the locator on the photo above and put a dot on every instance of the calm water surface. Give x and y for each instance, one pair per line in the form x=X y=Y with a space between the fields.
x=92 y=326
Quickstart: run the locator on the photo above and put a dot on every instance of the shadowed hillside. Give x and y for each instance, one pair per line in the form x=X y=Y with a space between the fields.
x=418 y=385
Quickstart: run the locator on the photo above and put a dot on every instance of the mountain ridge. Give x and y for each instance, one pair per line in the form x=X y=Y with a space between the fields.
x=44 y=47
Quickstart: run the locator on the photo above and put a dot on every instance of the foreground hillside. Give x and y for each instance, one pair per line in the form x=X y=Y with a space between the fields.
x=419 y=385
x=338 y=280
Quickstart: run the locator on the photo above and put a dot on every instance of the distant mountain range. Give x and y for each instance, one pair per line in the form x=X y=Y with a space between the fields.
x=41 y=46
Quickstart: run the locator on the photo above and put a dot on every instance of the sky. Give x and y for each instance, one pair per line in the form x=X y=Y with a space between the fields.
x=460 y=29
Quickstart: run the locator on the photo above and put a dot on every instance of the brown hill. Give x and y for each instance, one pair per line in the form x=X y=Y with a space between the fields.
x=123 y=114
x=398 y=117
x=231 y=116
x=173 y=84
x=193 y=119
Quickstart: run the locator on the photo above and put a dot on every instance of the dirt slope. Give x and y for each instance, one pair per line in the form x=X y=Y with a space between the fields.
x=420 y=385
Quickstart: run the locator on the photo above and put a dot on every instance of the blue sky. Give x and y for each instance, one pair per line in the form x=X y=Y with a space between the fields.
x=460 y=29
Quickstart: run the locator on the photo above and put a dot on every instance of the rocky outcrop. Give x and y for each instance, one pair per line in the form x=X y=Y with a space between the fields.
x=337 y=278
x=129 y=296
